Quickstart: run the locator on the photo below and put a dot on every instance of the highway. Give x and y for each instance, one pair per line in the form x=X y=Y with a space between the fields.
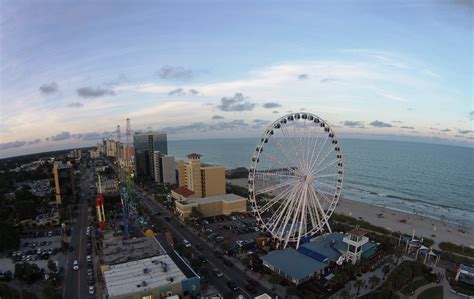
x=75 y=282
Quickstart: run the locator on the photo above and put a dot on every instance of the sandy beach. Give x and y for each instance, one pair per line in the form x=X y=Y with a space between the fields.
x=390 y=219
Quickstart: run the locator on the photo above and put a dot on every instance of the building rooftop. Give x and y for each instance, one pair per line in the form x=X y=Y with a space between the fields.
x=116 y=251
x=142 y=275
x=183 y=191
x=194 y=156
x=329 y=245
x=293 y=263
x=225 y=197
x=357 y=232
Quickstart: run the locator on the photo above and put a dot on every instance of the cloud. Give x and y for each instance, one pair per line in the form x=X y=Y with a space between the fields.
x=397 y=122
x=90 y=92
x=49 y=88
x=446 y=130
x=328 y=80
x=175 y=73
x=410 y=109
x=193 y=92
x=61 y=136
x=407 y=127
x=95 y=135
x=217 y=117
x=12 y=144
x=259 y=123
x=380 y=124
x=271 y=105
x=353 y=124
x=46 y=139
x=178 y=91
x=465 y=131
x=275 y=112
x=75 y=105
x=203 y=127
x=471 y=114
x=236 y=103
x=35 y=141
x=303 y=76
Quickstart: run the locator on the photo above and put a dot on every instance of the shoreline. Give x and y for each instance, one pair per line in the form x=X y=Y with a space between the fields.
x=424 y=225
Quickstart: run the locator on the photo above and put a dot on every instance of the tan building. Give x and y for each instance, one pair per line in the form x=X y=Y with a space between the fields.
x=63 y=182
x=217 y=205
x=203 y=181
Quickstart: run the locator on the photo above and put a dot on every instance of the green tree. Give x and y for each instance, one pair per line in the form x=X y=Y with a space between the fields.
x=25 y=294
x=291 y=291
x=345 y=294
x=9 y=236
x=195 y=213
x=7 y=292
x=373 y=281
x=274 y=280
x=52 y=266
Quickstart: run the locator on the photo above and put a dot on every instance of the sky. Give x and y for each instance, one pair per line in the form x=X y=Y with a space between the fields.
x=71 y=71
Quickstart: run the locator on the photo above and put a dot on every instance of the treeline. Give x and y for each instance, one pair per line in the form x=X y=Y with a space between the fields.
x=459 y=249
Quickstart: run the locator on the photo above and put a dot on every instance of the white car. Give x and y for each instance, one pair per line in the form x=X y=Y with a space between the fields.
x=75 y=265
x=89 y=258
x=91 y=290
x=186 y=243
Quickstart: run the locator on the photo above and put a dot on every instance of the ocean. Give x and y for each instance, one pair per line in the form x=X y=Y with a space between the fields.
x=429 y=179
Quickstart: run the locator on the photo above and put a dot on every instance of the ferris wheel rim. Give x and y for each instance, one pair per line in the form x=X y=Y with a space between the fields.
x=332 y=202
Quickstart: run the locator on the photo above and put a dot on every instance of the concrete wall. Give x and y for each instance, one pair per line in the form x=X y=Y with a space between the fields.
x=168 y=166
x=213 y=180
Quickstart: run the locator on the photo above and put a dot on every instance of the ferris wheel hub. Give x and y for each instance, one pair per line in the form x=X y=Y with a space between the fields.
x=308 y=179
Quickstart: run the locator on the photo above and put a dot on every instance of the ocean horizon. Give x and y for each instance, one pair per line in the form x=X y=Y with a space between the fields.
x=433 y=180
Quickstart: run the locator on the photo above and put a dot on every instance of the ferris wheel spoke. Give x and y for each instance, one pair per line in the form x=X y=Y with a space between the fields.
x=323 y=214
x=324 y=158
x=274 y=200
x=327 y=175
x=313 y=208
x=274 y=187
x=303 y=215
x=330 y=163
x=280 y=213
x=319 y=153
x=301 y=145
x=296 y=214
x=291 y=141
x=274 y=159
x=289 y=213
x=286 y=155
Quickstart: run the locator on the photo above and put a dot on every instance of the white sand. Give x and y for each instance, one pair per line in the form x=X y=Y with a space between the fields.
x=423 y=226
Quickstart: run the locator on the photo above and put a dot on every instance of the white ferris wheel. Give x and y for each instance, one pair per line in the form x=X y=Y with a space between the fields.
x=295 y=177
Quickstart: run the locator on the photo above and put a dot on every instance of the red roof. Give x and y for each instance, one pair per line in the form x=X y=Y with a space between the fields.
x=357 y=232
x=183 y=191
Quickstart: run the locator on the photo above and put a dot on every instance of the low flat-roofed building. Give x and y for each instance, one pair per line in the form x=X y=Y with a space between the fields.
x=292 y=265
x=116 y=251
x=154 y=277
x=182 y=193
x=225 y=204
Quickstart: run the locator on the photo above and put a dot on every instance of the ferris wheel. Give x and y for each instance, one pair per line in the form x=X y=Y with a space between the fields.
x=295 y=177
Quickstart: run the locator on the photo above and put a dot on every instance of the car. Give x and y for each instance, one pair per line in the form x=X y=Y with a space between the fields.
x=89 y=258
x=90 y=272
x=217 y=272
x=228 y=263
x=232 y=285
x=75 y=265
x=186 y=243
x=91 y=280
x=202 y=259
x=91 y=290
x=50 y=234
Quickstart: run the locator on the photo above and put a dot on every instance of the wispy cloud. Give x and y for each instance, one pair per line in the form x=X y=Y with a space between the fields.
x=12 y=144
x=271 y=105
x=465 y=131
x=91 y=92
x=49 y=88
x=61 y=136
x=407 y=127
x=75 y=105
x=236 y=103
x=178 y=91
x=353 y=124
x=217 y=117
x=303 y=76
x=175 y=73
x=380 y=124
x=193 y=91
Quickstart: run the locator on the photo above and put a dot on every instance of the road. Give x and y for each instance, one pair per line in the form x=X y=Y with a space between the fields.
x=75 y=282
x=181 y=232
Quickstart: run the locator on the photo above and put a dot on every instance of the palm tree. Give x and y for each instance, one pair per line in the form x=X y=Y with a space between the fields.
x=358 y=284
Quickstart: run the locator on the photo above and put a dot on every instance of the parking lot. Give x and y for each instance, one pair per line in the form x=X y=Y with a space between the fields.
x=238 y=231
x=35 y=247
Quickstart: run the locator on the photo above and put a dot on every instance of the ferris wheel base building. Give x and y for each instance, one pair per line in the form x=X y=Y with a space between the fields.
x=311 y=258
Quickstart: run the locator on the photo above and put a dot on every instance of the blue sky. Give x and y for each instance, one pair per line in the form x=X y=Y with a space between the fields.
x=71 y=71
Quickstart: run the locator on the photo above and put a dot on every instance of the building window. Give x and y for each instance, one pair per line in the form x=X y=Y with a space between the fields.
x=352 y=248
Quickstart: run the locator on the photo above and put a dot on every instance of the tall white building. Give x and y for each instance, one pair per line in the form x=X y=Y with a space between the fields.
x=157 y=166
x=168 y=166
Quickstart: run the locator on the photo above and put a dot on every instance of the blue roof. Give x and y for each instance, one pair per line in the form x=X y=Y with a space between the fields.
x=292 y=263
x=308 y=252
x=327 y=245
x=466 y=268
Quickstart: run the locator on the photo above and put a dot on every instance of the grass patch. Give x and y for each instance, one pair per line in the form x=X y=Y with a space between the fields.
x=414 y=285
x=432 y=293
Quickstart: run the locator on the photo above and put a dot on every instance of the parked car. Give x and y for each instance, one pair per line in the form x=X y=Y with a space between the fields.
x=186 y=243
x=217 y=272
x=91 y=290
x=232 y=285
